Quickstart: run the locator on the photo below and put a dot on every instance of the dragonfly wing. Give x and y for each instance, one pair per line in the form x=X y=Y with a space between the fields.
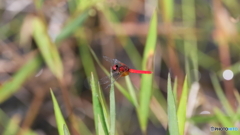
x=113 y=61
x=109 y=59
x=107 y=79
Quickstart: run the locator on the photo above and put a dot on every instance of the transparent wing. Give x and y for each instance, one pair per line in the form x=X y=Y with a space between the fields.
x=107 y=59
x=107 y=79
x=113 y=61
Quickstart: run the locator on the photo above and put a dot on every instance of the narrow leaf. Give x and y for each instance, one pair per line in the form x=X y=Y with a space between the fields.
x=131 y=91
x=71 y=27
x=183 y=107
x=99 y=118
x=175 y=89
x=112 y=110
x=221 y=95
x=146 y=82
x=47 y=48
x=58 y=115
x=65 y=129
x=172 y=110
x=10 y=87
x=100 y=127
x=168 y=10
x=104 y=106
x=12 y=126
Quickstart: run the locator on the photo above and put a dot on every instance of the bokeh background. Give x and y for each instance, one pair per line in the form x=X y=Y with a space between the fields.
x=57 y=44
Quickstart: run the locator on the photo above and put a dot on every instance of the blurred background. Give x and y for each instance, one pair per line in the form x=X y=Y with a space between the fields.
x=57 y=44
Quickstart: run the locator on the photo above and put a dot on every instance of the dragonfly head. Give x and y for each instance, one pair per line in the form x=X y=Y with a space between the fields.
x=114 y=67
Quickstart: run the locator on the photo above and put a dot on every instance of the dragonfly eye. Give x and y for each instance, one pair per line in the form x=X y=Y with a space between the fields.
x=114 y=68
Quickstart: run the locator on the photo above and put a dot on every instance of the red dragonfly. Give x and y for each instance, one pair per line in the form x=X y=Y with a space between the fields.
x=118 y=70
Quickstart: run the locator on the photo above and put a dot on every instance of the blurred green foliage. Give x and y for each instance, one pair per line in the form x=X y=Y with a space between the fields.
x=60 y=44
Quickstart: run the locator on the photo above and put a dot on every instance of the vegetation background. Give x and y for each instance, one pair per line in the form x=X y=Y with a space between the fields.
x=191 y=46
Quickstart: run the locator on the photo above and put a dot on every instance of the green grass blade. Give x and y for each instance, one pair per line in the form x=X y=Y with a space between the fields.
x=146 y=82
x=99 y=118
x=168 y=7
x=83 y=128
x=131 y=91
x=100 y=130
x=175 y=89
x=65 y=129
x=172 y=110
x=3 y=119
x=58 y=115
x=187 y=68
x=225 y=122
x=221 y=95
x=99 y=105
x=105 y=108
x=203 y=119
x=190 y=40
x=85 y=55
x=182 y=108
x=10 y=87
x=12 y=126
x=96 y=104
x=207 y=61
x=71 y=27
x=238 y=100
x=112 y=110
x=47 y=48
x=200 y=119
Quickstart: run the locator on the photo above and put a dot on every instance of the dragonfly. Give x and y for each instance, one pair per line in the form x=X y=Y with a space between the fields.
x=118 y=70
